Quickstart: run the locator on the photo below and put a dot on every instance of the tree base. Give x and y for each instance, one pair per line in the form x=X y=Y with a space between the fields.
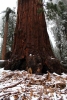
x=34 y=64
x=15 y=64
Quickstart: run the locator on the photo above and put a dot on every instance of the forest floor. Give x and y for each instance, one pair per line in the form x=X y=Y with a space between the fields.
x=20 y=85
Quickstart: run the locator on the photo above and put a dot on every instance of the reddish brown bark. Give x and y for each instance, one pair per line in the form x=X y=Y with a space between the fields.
x=31 y=33
x=31 y=37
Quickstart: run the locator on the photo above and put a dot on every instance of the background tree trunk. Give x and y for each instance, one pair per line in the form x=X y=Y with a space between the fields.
x=4 y=40
x=8 y=11
x=31 y=48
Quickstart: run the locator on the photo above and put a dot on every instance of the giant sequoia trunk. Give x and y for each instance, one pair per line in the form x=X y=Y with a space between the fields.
x=31 y=49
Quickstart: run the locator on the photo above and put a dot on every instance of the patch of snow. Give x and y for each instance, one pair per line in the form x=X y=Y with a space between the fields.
x=30 y=54
x=2 y=60
x=52 y=58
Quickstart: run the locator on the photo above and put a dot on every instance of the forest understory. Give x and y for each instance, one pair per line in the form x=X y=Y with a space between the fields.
x=21 y=85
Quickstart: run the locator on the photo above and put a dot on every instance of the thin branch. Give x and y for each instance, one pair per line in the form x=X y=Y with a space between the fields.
x=12 y=85
x=7 y=76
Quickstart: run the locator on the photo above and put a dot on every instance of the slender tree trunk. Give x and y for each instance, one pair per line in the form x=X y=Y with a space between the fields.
x=4 y=40
x=32 y=49
x=5 y=33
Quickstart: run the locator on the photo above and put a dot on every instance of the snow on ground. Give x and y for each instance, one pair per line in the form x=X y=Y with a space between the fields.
x=20 y=85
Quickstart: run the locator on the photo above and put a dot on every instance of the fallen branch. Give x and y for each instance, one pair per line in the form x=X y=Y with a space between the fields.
x=10 y=93
x=7 y=76
x=12 y=85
